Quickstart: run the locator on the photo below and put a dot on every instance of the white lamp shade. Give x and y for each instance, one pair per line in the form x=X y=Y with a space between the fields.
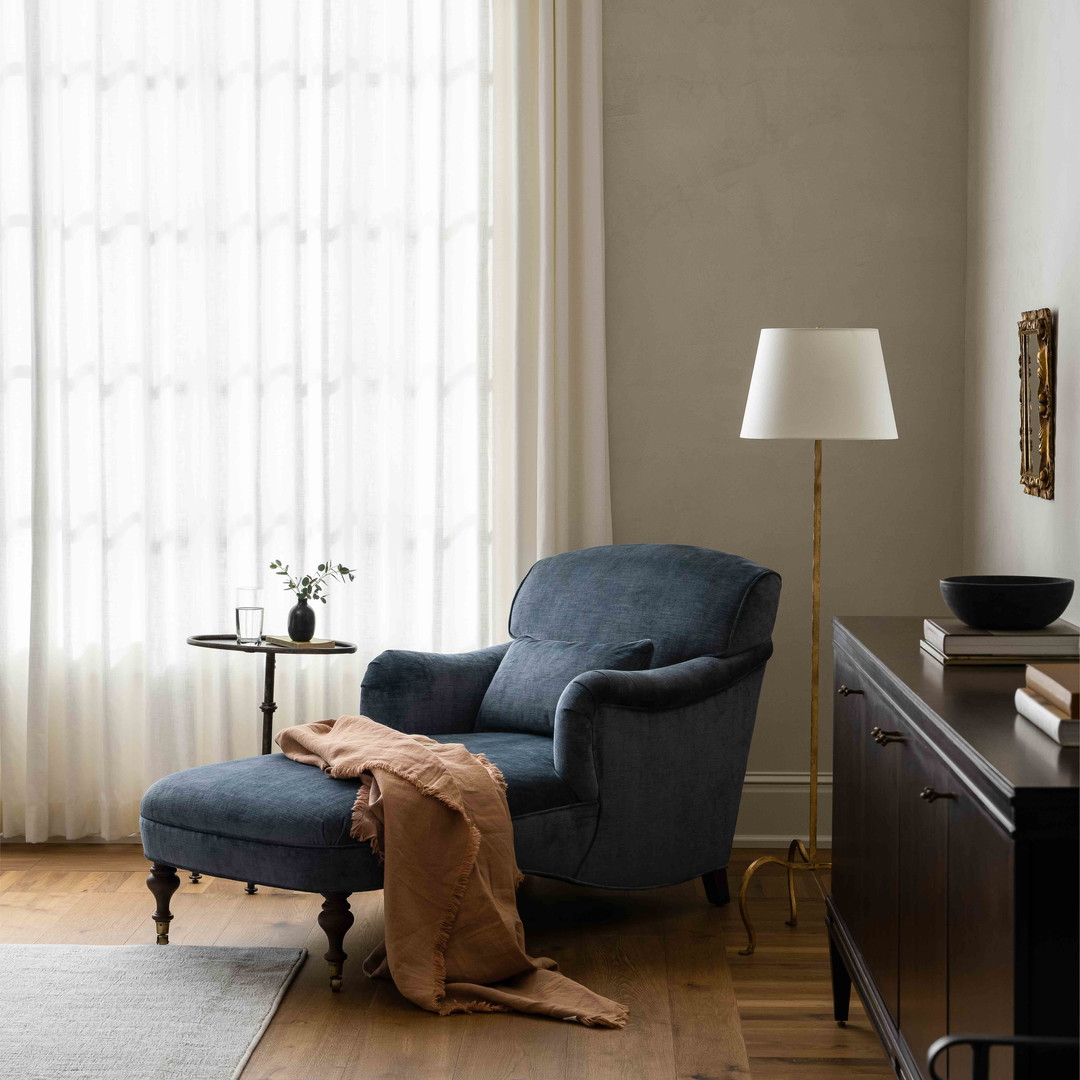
x=819 y=384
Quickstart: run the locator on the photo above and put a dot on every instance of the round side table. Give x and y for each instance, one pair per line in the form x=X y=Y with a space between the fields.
x=268 y=706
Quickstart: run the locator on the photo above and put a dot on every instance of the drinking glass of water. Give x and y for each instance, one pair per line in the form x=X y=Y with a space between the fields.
x=249 y=615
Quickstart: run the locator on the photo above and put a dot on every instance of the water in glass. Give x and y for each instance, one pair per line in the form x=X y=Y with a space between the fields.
x=249 y=616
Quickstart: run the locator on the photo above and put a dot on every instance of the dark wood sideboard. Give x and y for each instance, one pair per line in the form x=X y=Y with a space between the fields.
x=955 y=886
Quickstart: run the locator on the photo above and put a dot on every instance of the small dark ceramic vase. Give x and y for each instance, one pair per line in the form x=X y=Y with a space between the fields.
x=301 y=621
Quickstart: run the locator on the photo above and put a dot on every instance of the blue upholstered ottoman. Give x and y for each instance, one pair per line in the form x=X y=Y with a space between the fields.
x=272 y=820
x=266 y=819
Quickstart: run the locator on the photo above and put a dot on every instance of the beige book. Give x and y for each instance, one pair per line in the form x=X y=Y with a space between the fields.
x=288 y=643
x=1059 y=684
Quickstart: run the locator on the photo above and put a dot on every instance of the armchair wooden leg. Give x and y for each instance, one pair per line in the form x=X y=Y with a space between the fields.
x=335 y=919
x=716 y=887
x=162 y=881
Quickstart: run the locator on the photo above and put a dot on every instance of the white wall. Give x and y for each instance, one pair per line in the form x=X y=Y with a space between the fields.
x=790 y=163
x=1023 y=253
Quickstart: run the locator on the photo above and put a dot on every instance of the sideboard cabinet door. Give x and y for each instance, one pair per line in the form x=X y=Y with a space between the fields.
x=865 y=829
x=981 y=932
x=927 y=790
x=848 y=833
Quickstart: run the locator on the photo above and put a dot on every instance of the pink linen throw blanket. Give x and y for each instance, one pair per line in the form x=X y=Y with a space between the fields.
x=437 y=817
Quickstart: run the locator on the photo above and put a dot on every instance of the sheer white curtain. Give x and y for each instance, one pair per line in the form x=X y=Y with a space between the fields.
x=249 y=309
x=244 y=290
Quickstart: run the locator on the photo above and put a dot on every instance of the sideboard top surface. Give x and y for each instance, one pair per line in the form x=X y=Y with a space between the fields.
x=976 y=702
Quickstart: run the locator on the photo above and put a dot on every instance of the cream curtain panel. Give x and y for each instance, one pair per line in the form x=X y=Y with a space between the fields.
x=274 y=285
x=551 y=490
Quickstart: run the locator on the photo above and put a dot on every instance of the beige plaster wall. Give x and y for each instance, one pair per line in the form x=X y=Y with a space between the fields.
x=1023 y=253
x=787 y=163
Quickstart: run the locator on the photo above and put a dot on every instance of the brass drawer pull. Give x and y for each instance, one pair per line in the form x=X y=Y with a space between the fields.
x=883 y=738
x=845 y=690
x=930 y=795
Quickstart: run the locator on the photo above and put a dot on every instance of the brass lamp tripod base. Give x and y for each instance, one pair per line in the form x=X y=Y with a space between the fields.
x=799 y=857
x=809 y=862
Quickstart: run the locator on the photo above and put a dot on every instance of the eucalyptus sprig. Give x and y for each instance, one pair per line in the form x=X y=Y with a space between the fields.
x=312 y=586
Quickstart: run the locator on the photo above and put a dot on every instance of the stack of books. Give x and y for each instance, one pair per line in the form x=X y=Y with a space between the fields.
x=1051 y=700
x=949 y=641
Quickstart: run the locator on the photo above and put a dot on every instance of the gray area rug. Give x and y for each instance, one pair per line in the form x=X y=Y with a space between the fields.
x=132 y=1012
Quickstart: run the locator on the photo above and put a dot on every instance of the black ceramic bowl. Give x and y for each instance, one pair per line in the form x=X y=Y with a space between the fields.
x=1007 y=601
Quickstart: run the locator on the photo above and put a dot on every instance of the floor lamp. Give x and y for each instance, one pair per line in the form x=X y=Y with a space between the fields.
x=813 y=384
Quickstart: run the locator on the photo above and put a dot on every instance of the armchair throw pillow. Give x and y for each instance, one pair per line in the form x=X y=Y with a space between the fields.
x=533 y=674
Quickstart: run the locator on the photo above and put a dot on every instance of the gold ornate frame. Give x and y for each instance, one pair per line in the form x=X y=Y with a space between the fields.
x=1037 y=351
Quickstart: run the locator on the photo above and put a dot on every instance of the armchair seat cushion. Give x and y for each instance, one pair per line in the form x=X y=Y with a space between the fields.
x=527 y=763
x=278 y=822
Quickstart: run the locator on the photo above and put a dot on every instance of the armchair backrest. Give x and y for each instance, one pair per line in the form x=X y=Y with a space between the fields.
x=690 y=601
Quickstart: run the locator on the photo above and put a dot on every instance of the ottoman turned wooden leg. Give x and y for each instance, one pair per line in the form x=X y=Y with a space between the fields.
x=335 y=920
x=162 y=881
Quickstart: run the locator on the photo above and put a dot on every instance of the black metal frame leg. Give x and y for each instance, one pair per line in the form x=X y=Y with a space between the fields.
x=268 y=705
x=267 y=708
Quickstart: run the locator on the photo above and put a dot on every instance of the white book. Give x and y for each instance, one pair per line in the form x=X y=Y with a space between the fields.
x=998 y=660
x=1051 y=721
x=954 y=638
x=962 y=647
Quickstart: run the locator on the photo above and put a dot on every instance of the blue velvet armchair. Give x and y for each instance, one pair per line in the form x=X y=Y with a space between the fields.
x=634 y=784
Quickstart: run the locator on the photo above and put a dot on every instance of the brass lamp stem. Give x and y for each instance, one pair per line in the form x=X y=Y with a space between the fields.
x=809 y=858
x=815 y=650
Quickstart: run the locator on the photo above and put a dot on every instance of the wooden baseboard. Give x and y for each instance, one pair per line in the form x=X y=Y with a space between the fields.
x=774 y=809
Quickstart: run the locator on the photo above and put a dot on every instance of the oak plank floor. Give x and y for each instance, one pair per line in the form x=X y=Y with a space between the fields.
x=693 y=1015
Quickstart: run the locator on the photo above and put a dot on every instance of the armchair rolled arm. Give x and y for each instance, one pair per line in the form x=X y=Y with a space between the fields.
x=669 y=687
x=594 y=725
x=428 y=693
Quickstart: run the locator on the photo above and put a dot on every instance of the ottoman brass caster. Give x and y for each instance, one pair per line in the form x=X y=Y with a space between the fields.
x=335 y=918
